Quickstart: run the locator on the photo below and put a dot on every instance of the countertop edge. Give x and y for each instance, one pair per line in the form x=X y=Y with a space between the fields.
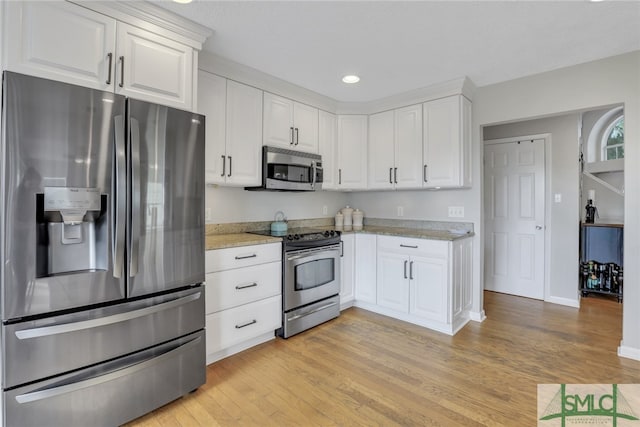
x=222 y=241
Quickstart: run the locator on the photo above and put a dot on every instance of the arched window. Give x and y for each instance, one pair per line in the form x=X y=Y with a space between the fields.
x=613 y=140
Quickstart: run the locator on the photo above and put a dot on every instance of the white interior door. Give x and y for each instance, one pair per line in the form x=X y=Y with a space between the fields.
x=514 y=217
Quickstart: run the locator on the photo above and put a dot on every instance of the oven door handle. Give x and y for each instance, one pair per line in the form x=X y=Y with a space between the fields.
x=308 y=313
x=311 y=253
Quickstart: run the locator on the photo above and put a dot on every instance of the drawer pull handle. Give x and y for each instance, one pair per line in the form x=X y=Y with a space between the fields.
x=246 y=256
x=409 y=246
x=246 y=324
x=252 y=285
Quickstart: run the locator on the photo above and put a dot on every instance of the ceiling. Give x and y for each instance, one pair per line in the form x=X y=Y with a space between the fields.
x=398 y=46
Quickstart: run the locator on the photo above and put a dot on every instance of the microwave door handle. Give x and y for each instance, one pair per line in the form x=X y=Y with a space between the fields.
x=313 y=175
x=120 y=196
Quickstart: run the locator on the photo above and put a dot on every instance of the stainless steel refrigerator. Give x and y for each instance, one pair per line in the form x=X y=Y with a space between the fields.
x=102 y=254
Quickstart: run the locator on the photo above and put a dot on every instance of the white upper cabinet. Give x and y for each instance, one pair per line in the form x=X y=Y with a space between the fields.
x=381 y=150
x=395 y=148
x=447 y=143
x=327 y=144
x=290 y=124
x=352 y=152
x=233 y=130
x=408 y=147
x=62 y=41
x=153 y=68
x=212 y=102
x=244 y=134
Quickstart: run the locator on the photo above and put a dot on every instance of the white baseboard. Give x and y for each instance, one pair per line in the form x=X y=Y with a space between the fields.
x=628 y=352
x=226 y=352
x=477 y=316
x=564 y=301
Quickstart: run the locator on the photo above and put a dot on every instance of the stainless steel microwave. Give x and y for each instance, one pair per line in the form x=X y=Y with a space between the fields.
x=289 y=170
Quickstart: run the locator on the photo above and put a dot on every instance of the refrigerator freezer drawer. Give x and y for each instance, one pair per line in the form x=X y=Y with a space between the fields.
x=54 y=345
x=112 y=393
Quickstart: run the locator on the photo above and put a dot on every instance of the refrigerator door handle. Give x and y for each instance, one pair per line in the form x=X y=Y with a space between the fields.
x=125 y=369
x=103 y=321
x=134 y=216
x=120 y=197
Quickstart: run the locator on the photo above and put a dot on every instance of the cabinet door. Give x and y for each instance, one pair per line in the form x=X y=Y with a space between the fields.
x=327 y=141
x=381 y=151
x=244 y=134
x=153 y=68
x=365 y=276
x=60 y=41
x=352 y=152
x=348 y=271
x=408 y=147
x=428 y=288
x=393 y=281
x=278 y=121
x=212 y=102
x=442 y=143
x=305 y=122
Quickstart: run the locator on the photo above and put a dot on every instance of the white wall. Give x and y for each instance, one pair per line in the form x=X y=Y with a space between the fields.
x=237 y=205
x=587 y=86
x=563 y=171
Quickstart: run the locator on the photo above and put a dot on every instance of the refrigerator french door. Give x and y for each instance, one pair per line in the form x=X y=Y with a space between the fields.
x=102 y=254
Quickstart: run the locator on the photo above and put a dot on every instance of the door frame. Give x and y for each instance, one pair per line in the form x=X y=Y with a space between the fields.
x=547 y=205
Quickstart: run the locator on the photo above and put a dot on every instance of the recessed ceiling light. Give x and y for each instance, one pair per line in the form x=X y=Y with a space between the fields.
x=182 y=1
x=351 y=79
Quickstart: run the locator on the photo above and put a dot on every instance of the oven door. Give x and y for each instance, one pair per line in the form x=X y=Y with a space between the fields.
x=311 y=275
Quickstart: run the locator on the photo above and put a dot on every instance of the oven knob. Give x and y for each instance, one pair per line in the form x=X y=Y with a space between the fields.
x=296 y=237
x=289 y=237
x=332 y=233
x=326 y=233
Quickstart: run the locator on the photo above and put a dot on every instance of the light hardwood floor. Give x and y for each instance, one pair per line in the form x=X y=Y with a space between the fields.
x=366 y=369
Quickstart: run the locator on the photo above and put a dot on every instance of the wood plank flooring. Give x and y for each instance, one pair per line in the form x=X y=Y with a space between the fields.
x=366 y=369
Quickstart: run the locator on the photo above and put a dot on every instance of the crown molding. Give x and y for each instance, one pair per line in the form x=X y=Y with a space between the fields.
x=152 y=18
x=250 y=76
x=460 y=86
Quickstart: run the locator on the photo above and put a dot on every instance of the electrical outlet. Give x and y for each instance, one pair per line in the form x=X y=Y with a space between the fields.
x=456 y=211
x=207 y=214
x=324 y=210
x=400 y=211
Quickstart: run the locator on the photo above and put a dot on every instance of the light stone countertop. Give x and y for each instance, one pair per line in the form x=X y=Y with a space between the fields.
x=231 y=235
x=418 y=233
x=231 y=240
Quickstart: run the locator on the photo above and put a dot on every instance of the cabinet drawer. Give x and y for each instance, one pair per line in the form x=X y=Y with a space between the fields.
x=413 y=246
x=242 y=256
x=230 y=327
x=231 y=288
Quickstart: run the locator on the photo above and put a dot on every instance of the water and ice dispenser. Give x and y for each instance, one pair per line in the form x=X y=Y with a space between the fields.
x=72 y=230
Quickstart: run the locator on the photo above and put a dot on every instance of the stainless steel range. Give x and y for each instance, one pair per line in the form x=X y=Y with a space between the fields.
x=310 y=279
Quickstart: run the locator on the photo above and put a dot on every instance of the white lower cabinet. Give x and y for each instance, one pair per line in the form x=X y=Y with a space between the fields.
x=347 y=272
x=243 y=298
x=365 y=263
x=426 y=282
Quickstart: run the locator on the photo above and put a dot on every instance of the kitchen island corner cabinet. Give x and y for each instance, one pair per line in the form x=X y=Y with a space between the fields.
x=425 y=282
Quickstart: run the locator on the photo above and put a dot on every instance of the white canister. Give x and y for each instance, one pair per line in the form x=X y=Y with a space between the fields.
x=348 y=216
x=358 y=217
x=339 y=220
